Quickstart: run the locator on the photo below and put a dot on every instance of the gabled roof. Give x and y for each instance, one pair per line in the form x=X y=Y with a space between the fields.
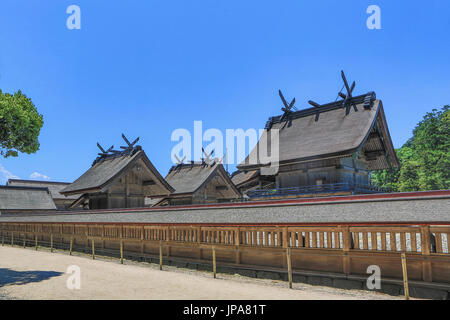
x=188 y=178
x=25 y=198
x=242 y=177
x=105 y=171
x=53 y=186
x=335 y=134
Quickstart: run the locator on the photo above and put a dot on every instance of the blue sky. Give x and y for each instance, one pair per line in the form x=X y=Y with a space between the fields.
x=146 y=68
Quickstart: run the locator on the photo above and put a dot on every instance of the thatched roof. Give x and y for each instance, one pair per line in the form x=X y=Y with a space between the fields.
x=110 y=169
x=188 y=178
x=335 y=134
x=25 y=198
x=53 y=186
x=240 y=177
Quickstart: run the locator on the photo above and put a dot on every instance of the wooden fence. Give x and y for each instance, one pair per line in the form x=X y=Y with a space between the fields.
x=336 y=249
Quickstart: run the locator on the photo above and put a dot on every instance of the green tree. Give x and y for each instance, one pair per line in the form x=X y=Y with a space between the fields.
x=20 y=124
x=424 y=159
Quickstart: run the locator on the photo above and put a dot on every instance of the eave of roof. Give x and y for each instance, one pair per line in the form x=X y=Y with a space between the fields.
x=345 y=152
x=184 y=169
x=97 y=188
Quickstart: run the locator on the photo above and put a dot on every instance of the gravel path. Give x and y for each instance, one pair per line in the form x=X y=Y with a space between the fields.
x=27 y=274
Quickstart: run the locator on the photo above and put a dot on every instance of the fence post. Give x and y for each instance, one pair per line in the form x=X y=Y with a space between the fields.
x=160 y=255
x=345 y=248
x=35 y=242
x=12 y=239
x=142 y=240
x=237 y=240
x=24 y=241
x=289 y=266
x=285 y=244
x=70 y=246
x=405 y=276
x=93 y=249
x=425 y=246
x=51 y=242
x=121 y=251
x=214 y=260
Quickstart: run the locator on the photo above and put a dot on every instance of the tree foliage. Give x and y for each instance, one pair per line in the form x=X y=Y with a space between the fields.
x=424 y=159
x=20 y=124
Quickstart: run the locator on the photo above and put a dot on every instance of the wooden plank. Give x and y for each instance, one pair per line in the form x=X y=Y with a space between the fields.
x=383 y=241
x=413 y=241
x=448 y=242
x=374 y=240
x=393 y=240
x=337 y=241
x=329 y=240
x=438 y=242
x=403 y=242
x=365 y=241
x=356 y=240
x=321 y=239
x=307 y=242
x=314 y=239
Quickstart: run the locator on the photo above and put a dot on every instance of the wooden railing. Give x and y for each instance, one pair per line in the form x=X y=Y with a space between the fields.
x=339 y=249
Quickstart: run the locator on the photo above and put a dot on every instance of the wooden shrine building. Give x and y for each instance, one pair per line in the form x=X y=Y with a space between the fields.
x=62 y=202
x=329 y=148
x=25 y=199
x=199 y=182
x=252 y=180
x=118 y=179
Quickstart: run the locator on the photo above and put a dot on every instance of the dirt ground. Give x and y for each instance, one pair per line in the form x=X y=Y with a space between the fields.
x=29 y=274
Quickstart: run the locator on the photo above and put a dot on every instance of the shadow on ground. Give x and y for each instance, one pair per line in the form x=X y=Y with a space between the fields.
x=11 y=277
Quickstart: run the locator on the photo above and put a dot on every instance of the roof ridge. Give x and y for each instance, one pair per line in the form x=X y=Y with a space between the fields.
x=366 y=98
x=37 y=181
x=25 y=188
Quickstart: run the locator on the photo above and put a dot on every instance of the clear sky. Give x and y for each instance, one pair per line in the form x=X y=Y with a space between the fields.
x=148 y=67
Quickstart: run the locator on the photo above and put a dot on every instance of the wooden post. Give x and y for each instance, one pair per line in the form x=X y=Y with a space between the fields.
x=426 y=245
x=121 y=244
x=142 y=239
x=405 y=276
x=93 y=249
x=51 y=242
x=289 y=266
x=103 y=236
x=121 y=251
x=12 y=239
x=24 y=241
x=284 y=244
x=346 y=241
x=160 y=255
x=214 y=260
x=86 y=234
x=237 y=240
x=3 y=240
x=70 y=246
x=35 y=242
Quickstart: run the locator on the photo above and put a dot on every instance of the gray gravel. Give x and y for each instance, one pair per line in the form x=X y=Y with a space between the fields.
x=4 y=296
x=405 y=210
